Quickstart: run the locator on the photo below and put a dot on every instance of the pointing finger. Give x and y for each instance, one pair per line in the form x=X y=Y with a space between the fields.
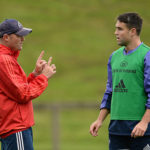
x=41 y=55
x=50 y=60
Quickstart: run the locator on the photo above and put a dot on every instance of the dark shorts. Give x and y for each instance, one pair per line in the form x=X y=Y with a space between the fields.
x=117 y=142
x=18 y=141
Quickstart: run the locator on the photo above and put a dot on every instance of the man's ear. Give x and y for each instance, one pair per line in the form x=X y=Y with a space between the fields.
x=133 y=31
x=5 y=37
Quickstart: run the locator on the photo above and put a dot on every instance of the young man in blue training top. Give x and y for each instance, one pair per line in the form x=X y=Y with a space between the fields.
x=127 y=95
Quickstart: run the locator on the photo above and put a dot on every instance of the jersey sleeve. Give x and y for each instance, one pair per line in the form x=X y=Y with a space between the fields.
x=147 y=78
x=30 y=77
x=106 y=101
x=14 y=83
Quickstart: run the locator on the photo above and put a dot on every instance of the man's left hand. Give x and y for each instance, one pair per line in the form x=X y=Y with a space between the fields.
x=139 y=130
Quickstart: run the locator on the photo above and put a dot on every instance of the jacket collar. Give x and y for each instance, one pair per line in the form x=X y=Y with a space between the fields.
x=7 y=50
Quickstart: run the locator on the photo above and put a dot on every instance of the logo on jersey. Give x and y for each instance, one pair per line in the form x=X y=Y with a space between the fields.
x=123 y=63
x=120 y=87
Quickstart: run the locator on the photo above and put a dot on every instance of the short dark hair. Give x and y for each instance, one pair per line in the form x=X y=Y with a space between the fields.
x=132 y=20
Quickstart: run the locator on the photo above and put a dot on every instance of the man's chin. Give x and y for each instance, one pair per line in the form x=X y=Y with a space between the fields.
x=121 y=44
x=20 y=48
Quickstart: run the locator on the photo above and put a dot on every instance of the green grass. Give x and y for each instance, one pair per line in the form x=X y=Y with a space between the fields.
x=79 y=36
x=74 y=130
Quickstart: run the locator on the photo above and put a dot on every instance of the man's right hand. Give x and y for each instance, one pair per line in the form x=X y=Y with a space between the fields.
x=39 y=65
x=98 y=123
x=94 y=127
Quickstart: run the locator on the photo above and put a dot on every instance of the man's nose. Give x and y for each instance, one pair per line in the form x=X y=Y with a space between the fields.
x=115 y=32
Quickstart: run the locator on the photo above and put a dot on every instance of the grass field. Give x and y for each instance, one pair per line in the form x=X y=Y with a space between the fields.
x=74 y=131
x=79 y=36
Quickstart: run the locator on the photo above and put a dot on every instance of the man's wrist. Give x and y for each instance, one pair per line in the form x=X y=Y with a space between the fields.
x=35 y=73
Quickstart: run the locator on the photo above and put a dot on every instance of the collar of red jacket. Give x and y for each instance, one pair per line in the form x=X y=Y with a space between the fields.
x=7 y=50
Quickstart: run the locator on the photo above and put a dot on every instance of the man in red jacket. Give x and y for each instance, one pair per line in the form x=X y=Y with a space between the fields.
x=17 y=90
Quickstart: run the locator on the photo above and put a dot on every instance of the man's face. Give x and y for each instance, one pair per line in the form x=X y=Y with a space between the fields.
x=15 y=42
x=123 y=34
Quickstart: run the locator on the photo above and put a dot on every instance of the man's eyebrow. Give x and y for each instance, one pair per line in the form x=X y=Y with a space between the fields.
x=118 y=28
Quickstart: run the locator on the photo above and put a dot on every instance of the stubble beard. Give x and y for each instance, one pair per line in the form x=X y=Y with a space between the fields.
x=122 y=43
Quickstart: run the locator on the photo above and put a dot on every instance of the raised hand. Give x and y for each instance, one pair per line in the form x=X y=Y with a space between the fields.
x=49 y=70
x=39 y=65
